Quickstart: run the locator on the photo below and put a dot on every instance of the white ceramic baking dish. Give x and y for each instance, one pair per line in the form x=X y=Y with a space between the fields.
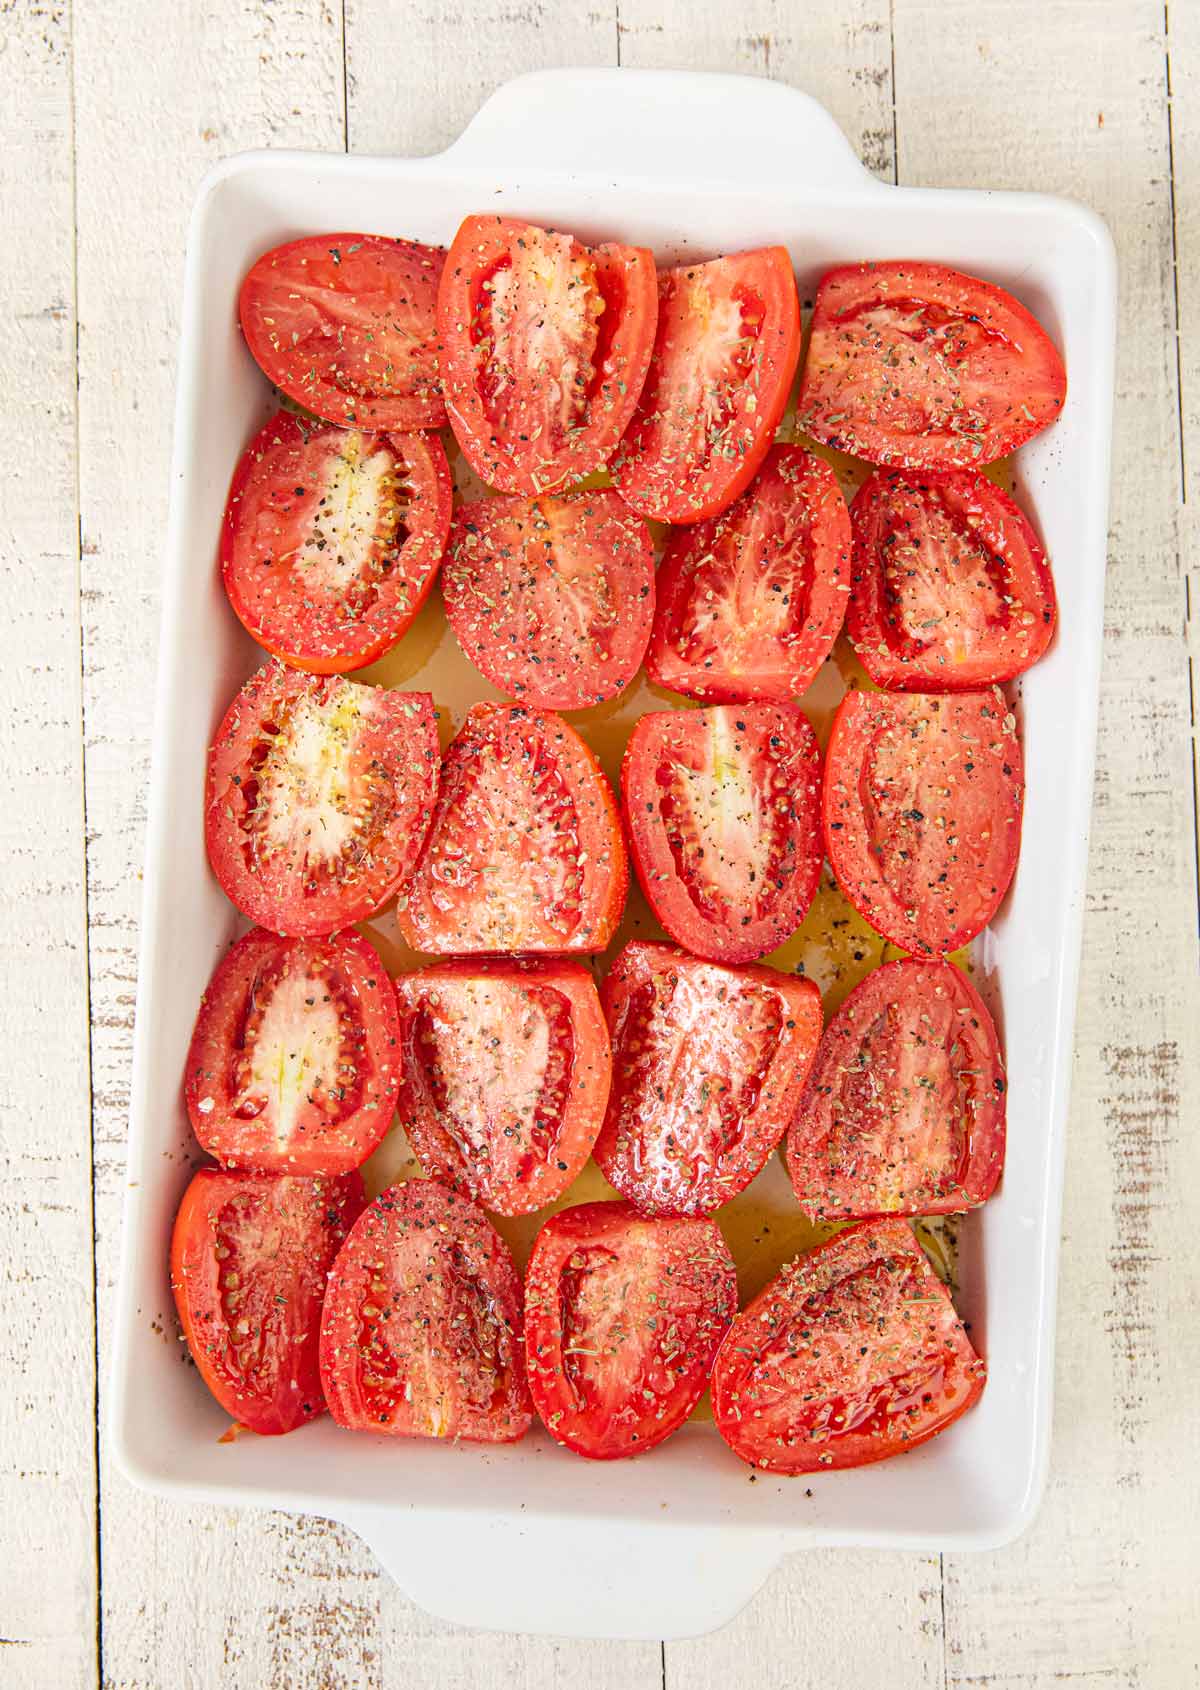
x=530 y=1537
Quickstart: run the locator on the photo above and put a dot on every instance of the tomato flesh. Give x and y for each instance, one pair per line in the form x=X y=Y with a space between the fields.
x=249 y=1259
x=345 y=325
x=922 y=808
x=545 y=346
x=951 y=589
x=421 y=1335
x=725 y=352
x=294 y=1064
x=750 y=603
x=722 y=807
x=904 y=1111
x=623 y=1316
x=853 y=1354
x=525 y=852
x=332 y=539
x=709 y=1066
x=553 y=598
x=506 y=1075
x=320 y=793
x=917 y=365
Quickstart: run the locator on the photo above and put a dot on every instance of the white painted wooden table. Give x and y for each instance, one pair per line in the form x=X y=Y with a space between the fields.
x=110 y=111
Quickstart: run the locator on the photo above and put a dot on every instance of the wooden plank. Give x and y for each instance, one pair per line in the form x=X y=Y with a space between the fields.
x=47 y=1441
x=199 y=1597
x=416 y=75
x=1183 y=76
x=806 y=1627
x=1104 y=1586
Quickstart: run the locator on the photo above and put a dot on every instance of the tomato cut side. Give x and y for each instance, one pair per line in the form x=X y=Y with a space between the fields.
x=750 y=603
x=545 y=345
x=506 y=1075
x=623 y=1315
x=709 y=1066
x=723 y=811
x=332 y=539
x=421 y=1335
x=320 y=793
x=249 y=1258
x=904 y=1110
x=853 y=1354
x=922 y=809
x=725 y=352
x=294 y=1064
x=917 y=365
x=345 y=325
x=951 y=589
x=552 y=599
x=525 y=852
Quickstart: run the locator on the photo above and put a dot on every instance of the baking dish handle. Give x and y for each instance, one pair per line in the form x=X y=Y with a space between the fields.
x=662 y=125
x=601 y=1578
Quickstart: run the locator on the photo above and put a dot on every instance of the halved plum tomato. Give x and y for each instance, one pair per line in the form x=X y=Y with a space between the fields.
x=922 y=810
x=421 y=1335
x=250 y=1254
x=709 y=1066
x=526 y=851
x=332 y=539
x=506 y=1075
x=723 y=810
x=725 y=352
x=294 y=1065
x=552 y=599
x=346 y=326
x=750 y=602
x=623 y=1315
x=950 y=587
x=544 y=348
x=853 y=1354
x=320 y=793
x=904 y=1111
x=917 y=365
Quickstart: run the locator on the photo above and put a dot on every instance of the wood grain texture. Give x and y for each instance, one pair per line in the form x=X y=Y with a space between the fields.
x=190 y=1596
x=47 y=1408
x=1183 y=136
x=1103 y=1587
x=416 y=74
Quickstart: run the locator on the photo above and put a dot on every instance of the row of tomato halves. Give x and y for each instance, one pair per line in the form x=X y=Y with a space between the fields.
x=324 y=802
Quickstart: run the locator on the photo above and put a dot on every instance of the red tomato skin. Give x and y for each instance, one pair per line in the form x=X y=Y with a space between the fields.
x=643 y=1148
x=330 y=643
x=751 y=1385
x=441 y=1245
x=845 y=395
x=314 y=1216
x=695 y=1262
x=624 y=278
x=406 y=271
x=798 y=768
x=661 y=474
x=987 y=517
x=368 y=1062
x=500 y=561
x=564 y=987
x=780 y=664
x=401 y=747
x=993 y=782
x=827 y=1192
x=437 y=918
